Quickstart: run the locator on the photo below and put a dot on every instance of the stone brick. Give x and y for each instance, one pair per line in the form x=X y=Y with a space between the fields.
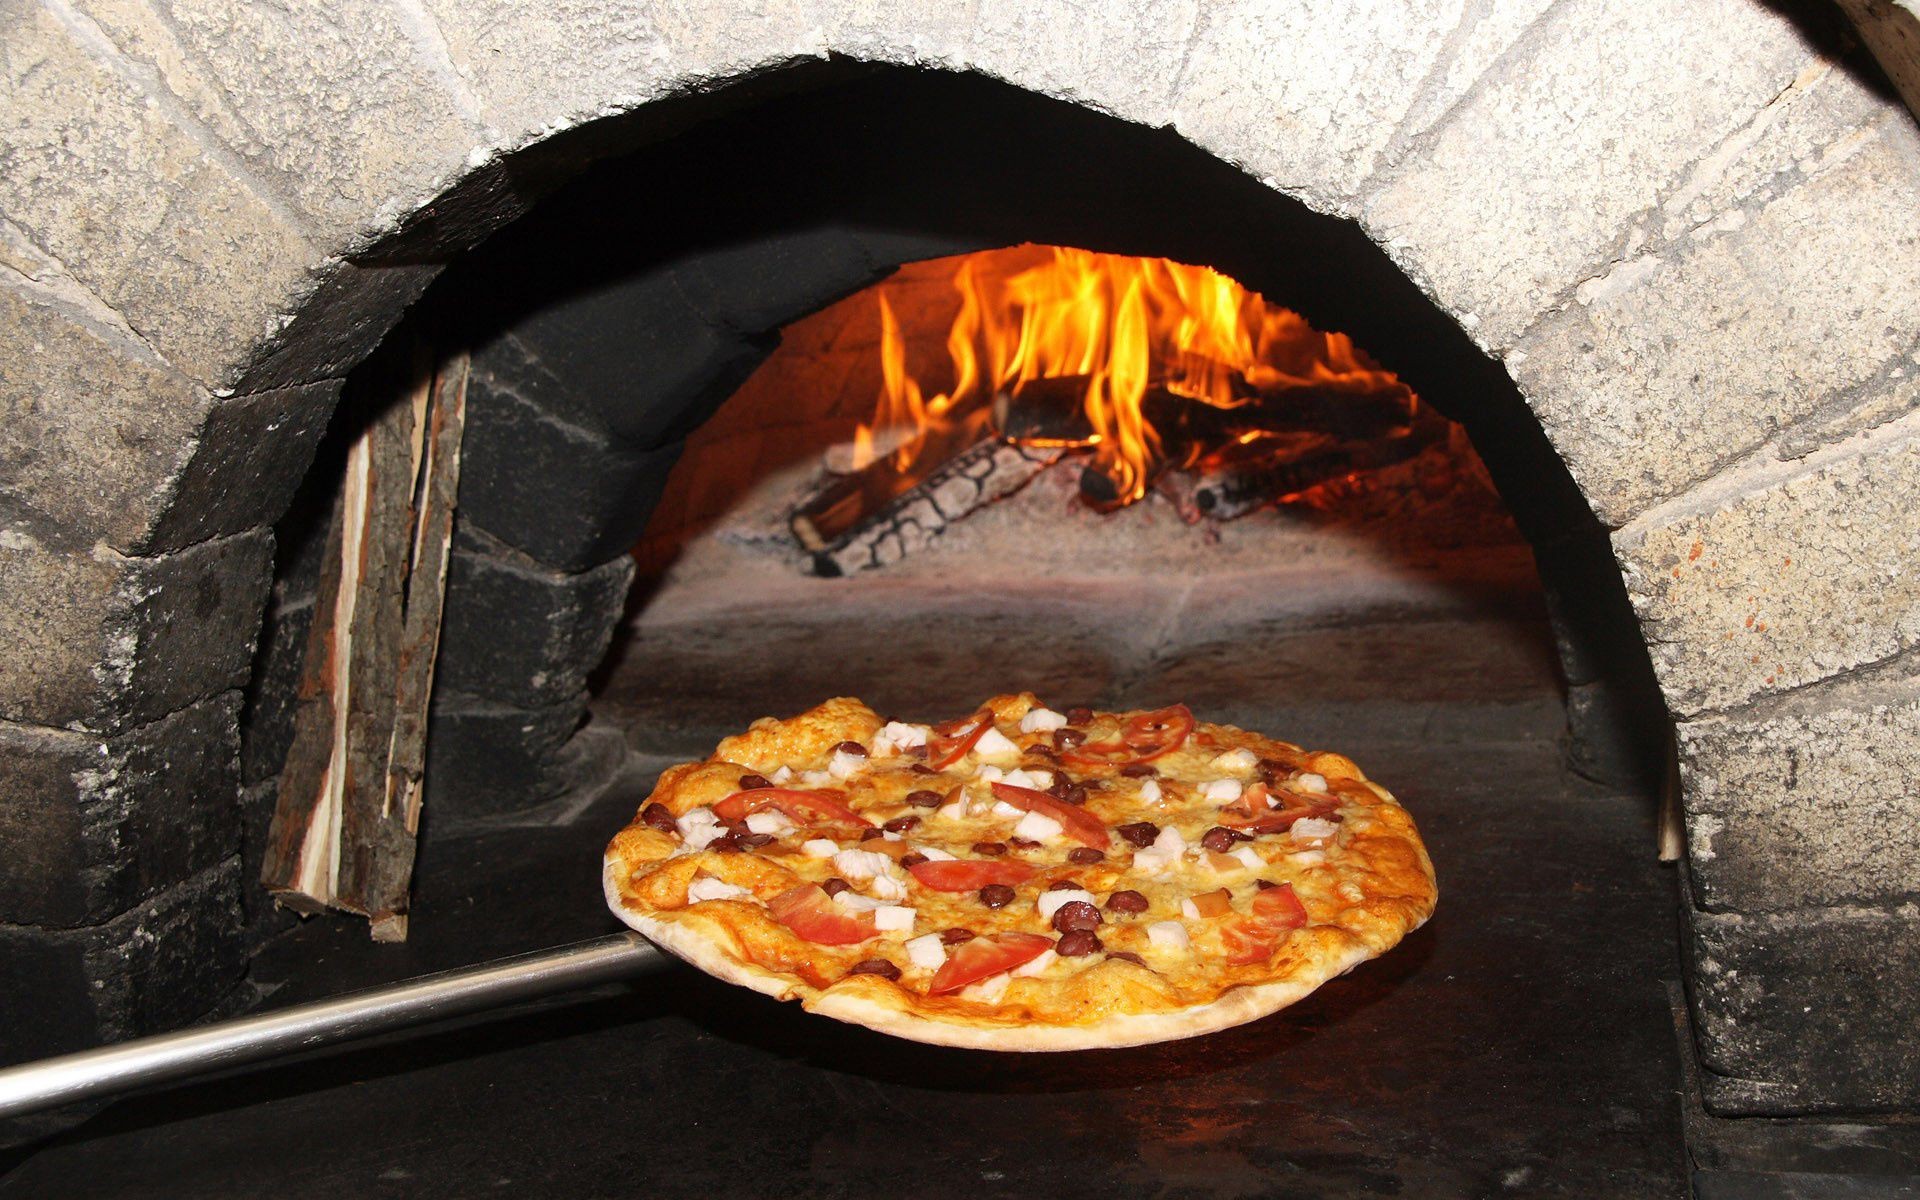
x=759 y=286
x=1124 y=58
x=1815 y=570
x=94 y=826
x=1662 y=345
x=353 y=119
x=352 y=309
x=101 y=642
x=111 y=445
x=1535 y=177
x=565 y=495
x=1308 y=96
x=267 y=721
x=154 y=968
x=523 y=635
x=633 y=359
x=1807 y=1011
x=485 y=758
x=195 y=255
x=1810 y=800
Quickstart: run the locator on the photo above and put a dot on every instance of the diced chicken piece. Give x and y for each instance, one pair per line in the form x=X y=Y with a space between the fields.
x=995 y=745
x=846 y=766
x=1238 y=762
x=988 y=990
x=705 y=887
x=816 y=778
x=768 y=821
x=886 y=887
x=1042 y=720
x=1313 y=830
x=699 y=827
x=1249 y=858
x=854 y=902
x=1047 y=958
x=1169 y=935
x=893 y=918
x=1226 y=791
x=1051 y=901
x=1310 y=782
x=783 y=775
x=927 y=951
x=820 y=847
x=1037 y=827
x=861 y=864
x=933 y=853
x=1150 y=791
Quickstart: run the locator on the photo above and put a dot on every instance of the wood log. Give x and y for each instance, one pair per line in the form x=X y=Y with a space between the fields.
x=989 y=470
x=347 y=814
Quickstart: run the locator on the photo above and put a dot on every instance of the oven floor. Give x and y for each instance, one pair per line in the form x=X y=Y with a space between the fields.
x=1520 y=1044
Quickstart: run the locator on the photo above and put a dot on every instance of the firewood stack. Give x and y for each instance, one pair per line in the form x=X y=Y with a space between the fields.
x=1214 y=463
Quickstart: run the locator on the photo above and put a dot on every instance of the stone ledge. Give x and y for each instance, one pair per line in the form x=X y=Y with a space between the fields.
x=1808 y=1011
x=1812 y=572
x=155 y=968
x=102 y=642
x=1814 y=799
x=94 y=826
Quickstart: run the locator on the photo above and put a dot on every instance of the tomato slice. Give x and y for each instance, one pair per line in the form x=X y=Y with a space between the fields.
x=1146 y=737
x=1271 y=820
x=951 y=741
x=969 y=874
x=811 y=913
x=1251 y=938
x=801 y=806
x=970 y=962
x=1081 y=825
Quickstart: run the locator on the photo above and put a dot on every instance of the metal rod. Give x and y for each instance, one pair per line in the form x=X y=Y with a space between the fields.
x=109 y=1070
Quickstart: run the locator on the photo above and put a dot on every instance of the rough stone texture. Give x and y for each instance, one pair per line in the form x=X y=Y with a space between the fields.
x=154 y=968
x=932 y=32
x=485 y=758
x=1812 y=800
x=101 y=642
x=519 y=634
x=558 y=360
x=185 y=467
x=354 y=119
x=543 y=65
x=1308 y=96
x=1544 y=163
x=267 y=720
x=1807 y=1011
x=1660 y=341
x=251 y=455
x=559 y=492
x=1123 y=58
x=197 y=257
x=1888 y=398
x=353 y=307
x=94 y=826
x=1816 y=570
x=758 y=287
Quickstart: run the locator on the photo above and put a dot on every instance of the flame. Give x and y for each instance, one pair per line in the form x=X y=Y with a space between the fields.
x=1121 y=327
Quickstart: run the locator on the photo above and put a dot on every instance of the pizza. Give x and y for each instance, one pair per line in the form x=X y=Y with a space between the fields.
x=1021 y=878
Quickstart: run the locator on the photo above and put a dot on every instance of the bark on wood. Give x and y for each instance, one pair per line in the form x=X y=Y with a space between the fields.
x=344 y=832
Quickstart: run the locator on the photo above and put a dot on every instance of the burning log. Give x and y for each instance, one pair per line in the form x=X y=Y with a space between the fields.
x=1224 y=492
x=907 y=520
x=348 y=811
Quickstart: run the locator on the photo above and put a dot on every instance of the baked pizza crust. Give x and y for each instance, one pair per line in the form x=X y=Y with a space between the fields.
x=735 y=940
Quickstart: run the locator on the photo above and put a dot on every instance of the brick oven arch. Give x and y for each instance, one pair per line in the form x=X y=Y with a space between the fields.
x=1684 y=229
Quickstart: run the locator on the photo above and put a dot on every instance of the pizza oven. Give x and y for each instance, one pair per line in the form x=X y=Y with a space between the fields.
x=1481 y=396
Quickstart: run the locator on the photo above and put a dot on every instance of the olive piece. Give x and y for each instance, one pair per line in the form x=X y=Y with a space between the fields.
x=875 y=966
x=1076 y=914
x=924 y=799
x=912 y=858
x=1137 y=771
x=1084 y=856
x=1079 y=715
x=749 y=783
x=851 y=749
x=990 y=849
x=834 y=886
x=1128 y=901
x=956 y=935
x=1078 y=944
x=1139 y=833
x=996 y=895
x=901 y=824
x=657 y=816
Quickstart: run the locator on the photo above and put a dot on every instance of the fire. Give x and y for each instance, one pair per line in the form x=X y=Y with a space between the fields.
x=1132 y=338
